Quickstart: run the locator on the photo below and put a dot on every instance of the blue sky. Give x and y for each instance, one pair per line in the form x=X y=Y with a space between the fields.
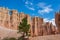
x=41 y=8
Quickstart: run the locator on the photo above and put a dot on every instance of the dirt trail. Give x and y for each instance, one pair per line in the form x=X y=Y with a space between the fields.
x=48 y=37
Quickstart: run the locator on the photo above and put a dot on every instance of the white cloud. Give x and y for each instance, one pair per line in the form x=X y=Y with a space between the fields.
x=46 y=19
x=31 y=8
x=29 y=5
x=41 y=4
x=33 y=14
x=26 y=2
x=51 y=21
x=45 y=8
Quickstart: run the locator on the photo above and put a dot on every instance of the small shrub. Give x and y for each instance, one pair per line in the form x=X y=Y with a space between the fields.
x=20 y=38
x=9 y=38
x=12 y=38
x=5 y=38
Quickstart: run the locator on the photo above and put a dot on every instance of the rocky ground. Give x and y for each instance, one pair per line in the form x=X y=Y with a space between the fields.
x=48 y=37
x=4 y=32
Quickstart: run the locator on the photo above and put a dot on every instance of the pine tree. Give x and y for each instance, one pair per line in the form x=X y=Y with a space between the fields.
x=24 y=27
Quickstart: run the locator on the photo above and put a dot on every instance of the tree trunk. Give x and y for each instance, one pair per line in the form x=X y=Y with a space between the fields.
x=26 y=33
x=25 y=37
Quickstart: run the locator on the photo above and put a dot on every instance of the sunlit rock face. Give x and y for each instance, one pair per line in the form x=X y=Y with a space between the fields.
x=11 y=18
x=57 y=20
x=9 y=21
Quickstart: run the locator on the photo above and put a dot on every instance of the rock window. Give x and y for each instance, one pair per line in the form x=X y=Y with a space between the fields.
x=10 y=12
